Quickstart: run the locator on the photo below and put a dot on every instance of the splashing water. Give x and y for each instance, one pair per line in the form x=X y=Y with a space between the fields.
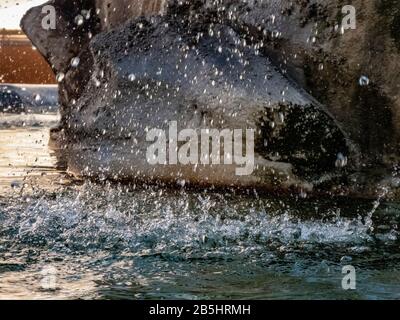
x=75 y=62
x=60 y=77
x=79 y=20
x=86 y=240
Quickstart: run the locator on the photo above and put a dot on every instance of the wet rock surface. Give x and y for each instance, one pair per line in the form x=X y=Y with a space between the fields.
x=282 y=68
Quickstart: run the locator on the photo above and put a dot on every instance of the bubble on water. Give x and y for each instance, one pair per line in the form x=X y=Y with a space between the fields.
x=220 y=49
x=75 y=62
x=132 y=77
x=60 y=76
x=363 y=81
x=79 y=20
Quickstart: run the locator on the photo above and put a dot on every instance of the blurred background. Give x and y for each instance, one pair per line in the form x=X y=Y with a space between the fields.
x=20 y=62
x=28 y=101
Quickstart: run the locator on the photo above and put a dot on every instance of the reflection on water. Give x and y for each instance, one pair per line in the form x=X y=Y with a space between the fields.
x=24 y=152
x=69 y=240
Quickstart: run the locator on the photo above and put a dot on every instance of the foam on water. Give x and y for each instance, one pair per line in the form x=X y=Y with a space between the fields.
x=96 y=218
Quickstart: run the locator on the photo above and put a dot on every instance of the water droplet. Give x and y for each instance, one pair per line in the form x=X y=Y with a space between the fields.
x=303 y=194
x=60 y=76
x=86 y=14
x=363 y=81
x=220 y=49
x=37 y=97
x=181 y=183
x=281 y=117
x=321 y=67
x=132 y=77
x=275 y=34
x=79 y=20
x=75 y=62
x=341 y=160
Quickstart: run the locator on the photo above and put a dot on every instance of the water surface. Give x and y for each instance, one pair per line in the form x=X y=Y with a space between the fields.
x=64 y=239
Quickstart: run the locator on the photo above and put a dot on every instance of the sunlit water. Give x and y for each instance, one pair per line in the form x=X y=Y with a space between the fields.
x=71 y=239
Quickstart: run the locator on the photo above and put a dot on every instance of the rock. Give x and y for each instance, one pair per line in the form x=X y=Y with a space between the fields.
x=213 y=93
x=265 y=65
x=310 y=36
x=114 y=14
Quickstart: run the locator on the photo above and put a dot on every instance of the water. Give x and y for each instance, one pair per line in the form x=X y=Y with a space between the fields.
x=61 y=238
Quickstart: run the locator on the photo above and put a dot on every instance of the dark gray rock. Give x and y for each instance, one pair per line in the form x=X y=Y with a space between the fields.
x=232 y=64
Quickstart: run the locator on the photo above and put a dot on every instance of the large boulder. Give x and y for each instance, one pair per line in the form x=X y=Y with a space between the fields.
x=323 y=101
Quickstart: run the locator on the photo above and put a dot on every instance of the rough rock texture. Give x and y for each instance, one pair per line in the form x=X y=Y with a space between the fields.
x=280 y=67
